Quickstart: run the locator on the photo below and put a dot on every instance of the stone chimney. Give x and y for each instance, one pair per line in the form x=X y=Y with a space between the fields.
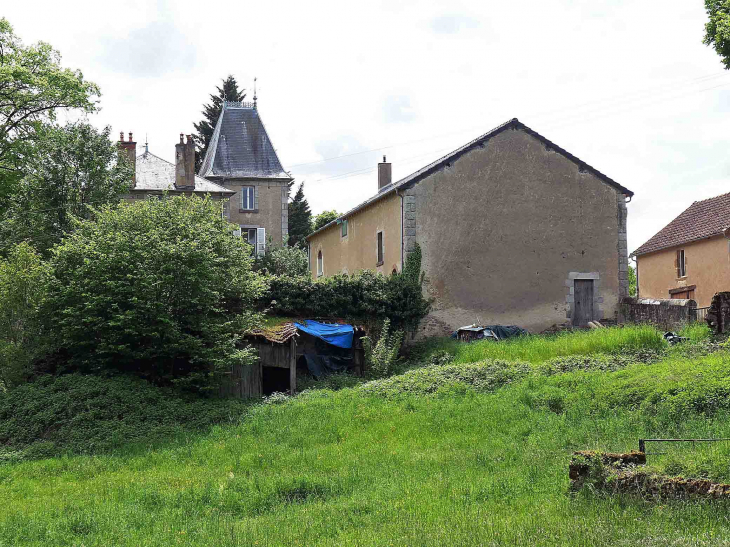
x=185 y=163
x=129 y=149
x=385 y=174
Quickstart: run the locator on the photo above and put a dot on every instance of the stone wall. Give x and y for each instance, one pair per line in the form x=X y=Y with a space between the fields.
x=665 y=313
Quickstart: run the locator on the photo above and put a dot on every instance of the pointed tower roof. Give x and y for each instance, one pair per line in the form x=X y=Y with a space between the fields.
x=240 y=146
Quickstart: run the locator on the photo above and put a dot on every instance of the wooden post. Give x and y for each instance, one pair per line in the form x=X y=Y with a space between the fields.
x=292 y=365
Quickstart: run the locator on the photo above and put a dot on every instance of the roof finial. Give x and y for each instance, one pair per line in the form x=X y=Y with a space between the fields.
x=146 y=146
x=254 y=93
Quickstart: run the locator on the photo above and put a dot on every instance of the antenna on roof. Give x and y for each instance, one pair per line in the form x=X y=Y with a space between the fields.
x=254 y=93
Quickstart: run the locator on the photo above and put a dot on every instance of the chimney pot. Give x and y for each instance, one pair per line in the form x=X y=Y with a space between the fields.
x=121 y=136
x=130 y=137
x=129 y=148
x=181 y=138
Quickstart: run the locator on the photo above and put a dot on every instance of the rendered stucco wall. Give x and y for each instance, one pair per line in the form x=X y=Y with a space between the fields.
x=358 y=250
x=707 y=266
x=271 y=207
x=506 y=228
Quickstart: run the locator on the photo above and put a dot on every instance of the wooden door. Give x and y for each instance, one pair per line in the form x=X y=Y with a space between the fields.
x=582 y=302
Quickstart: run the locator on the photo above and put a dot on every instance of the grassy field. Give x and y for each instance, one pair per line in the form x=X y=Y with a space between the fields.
x=471 y=452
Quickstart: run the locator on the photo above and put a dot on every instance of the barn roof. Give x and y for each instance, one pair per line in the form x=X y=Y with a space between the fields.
x=440 y=163
x=700 y=220
x=240 y=146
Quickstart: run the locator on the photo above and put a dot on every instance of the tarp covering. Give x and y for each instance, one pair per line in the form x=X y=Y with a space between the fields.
x=495 y=332
x=337 y=335
x=320 y=366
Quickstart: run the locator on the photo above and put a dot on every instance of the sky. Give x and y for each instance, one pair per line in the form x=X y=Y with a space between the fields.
x=626 y=86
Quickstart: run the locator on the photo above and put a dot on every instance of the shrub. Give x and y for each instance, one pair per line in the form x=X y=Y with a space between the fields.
x=159 y=288
x=87 y=414
x=381 y=357
x=284 y=260
x=23 y=285
x=361 y=296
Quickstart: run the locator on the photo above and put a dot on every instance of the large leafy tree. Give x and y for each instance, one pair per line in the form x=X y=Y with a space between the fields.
x=228 y=91
x=158 y=288
x=717 y=29
x=300 y=218
x=324 y=218
x=33 y=88
x=72 y=170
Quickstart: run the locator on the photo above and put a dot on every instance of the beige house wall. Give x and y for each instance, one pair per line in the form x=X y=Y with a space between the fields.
x=271 y=207
x=358 y=250
x=505 y=230
x=707 y=266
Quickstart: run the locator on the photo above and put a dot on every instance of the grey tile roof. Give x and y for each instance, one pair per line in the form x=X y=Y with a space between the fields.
x=422 y=173
x=154 y=173
x=240 y=146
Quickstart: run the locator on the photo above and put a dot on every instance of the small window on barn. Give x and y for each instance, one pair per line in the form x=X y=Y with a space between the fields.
x=320 y=264
x=681 y=264
x=381 y=253
x=248 y=198
x=343 y=227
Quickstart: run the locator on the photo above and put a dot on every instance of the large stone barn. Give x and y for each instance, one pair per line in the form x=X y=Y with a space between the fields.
x=513 y=229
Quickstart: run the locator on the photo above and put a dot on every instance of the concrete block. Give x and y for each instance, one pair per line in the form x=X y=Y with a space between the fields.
x=410 y=231
x=410 y=215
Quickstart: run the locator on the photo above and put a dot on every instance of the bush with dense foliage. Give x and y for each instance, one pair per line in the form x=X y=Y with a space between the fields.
x=284 y=260
x=88 y=414
x=362 y=297
x=23 y=283
x=160 y=289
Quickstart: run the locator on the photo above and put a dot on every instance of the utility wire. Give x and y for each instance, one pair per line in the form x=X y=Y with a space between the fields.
x=668 y=87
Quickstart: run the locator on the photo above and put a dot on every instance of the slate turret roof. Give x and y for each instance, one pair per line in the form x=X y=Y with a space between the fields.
x=702 y=219
x=240 y=147
x=154 y=173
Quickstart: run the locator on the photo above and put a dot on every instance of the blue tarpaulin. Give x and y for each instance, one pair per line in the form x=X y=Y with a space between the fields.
x=337 y=335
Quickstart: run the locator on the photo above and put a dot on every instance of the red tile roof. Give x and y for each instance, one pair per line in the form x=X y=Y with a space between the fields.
x=702 y=219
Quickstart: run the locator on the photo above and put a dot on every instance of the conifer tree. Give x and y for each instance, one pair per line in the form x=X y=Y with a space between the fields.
x=211 y=112
x=300 y=218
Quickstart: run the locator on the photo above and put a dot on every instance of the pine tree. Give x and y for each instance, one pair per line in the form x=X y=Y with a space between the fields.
x=300 y=218
x=211 y=112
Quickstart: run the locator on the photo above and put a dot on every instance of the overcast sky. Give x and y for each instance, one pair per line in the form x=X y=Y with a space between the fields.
x=626 y=86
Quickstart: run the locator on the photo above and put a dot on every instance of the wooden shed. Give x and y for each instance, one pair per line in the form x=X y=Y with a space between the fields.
x=279 y=350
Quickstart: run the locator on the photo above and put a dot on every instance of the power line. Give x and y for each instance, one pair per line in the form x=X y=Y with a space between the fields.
x=668 y=87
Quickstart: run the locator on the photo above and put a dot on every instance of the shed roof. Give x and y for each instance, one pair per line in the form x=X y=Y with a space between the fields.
x=240 y=146
x=424 y=172
x=700 y=220
x=154 y=173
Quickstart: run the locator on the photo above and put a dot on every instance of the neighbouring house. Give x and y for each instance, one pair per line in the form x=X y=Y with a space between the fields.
x=513 y=230
x=154 y=176
x=690 y=257
x=241 y=158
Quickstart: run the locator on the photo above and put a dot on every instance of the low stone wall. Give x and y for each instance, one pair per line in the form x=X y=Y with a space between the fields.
x=665 y=313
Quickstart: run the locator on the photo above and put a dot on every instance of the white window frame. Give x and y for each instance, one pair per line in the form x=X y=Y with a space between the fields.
x=248 y=197
x=320 y=263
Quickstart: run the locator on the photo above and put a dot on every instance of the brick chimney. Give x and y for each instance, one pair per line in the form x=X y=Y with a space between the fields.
x=185 y=163
x=129 y=148
x=385 y=174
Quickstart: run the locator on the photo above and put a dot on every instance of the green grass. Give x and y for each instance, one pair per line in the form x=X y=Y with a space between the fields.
x=446 y=454
x=536 y=349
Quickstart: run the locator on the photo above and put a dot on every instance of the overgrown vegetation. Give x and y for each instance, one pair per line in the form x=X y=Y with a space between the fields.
x=363 y=297
x=381 y=355
x=454 y=453
x=159 y=289
x=86 y=414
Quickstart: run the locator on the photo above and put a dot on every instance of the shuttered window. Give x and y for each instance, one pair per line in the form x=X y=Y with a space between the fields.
x=681 y=264
x=260 y=241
